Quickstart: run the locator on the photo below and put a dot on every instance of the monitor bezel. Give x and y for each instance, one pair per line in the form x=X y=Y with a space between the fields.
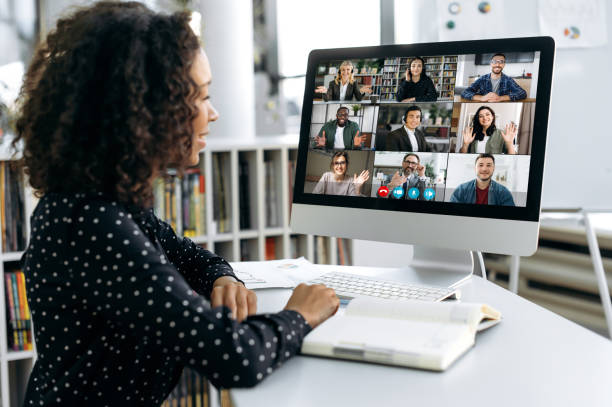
x=531 y=212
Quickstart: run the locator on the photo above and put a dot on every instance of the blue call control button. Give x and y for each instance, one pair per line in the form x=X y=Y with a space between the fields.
x=413 y=193
x=429 y=194
x=398 y=192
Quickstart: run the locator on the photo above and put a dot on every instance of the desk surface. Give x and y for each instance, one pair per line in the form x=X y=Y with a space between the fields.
x=532 y=358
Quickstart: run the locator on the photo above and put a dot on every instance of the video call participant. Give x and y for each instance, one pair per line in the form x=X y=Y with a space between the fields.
x=494 y=86
x=344 y=87
x=408 y=137
x=412 y=176
x=483 y=137
x=340 y=134
x=416 y=86
x=483 y=190
x=120 y=303
x=337 y=182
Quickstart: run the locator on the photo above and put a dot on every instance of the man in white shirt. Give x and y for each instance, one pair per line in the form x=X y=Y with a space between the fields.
x=408 y=137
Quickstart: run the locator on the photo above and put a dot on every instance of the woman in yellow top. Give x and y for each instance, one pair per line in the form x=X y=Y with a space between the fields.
x=343 y=87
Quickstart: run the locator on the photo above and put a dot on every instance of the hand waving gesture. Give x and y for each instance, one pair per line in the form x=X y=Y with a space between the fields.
x=397 y=180
x=468 y=137
x=359 y=180
x=321 y=140
x=509 y=134
x=358 y=140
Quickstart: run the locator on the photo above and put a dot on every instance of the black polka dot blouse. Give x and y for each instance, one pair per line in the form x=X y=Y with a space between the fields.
x=120 y=305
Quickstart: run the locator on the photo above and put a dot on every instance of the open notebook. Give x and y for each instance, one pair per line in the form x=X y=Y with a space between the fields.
x=426 y=335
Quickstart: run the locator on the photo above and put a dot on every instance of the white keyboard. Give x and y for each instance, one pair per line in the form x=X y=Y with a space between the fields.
x=348 y=286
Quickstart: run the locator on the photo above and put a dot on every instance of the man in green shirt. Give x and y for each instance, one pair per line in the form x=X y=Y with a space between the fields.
x=340 y=134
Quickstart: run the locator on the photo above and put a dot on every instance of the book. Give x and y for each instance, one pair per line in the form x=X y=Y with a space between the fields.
x=420 y=334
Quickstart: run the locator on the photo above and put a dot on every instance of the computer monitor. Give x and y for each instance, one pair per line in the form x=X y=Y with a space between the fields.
x=424 y=144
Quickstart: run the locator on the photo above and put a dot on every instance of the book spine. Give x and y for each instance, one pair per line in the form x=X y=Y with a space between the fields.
x=13 y=341
x=23 y=301
x=18 y=314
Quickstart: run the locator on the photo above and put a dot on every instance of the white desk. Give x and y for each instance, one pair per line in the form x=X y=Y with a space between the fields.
x=532 y=358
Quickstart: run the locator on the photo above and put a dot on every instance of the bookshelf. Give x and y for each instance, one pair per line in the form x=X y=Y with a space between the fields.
x=441 y=69
x=227 y=191
x=17 y=203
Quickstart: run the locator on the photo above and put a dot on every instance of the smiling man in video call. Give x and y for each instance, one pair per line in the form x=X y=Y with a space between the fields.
x=482 y=189
x=412 y=176
x=408 y=137
x=340 y=134
x=494 y=86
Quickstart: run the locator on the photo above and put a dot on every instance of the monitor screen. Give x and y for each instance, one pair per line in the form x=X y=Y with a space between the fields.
x=406 y=128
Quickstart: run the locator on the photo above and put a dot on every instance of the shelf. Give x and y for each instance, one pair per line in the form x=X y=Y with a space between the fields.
x=11 y=256
x=248 y=234
x=19 y=355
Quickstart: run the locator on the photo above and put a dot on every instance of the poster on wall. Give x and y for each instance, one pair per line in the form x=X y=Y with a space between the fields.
x=470 y=20
x=574 y=24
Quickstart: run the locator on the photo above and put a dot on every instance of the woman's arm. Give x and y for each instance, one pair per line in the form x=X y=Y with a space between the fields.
x=200 y=267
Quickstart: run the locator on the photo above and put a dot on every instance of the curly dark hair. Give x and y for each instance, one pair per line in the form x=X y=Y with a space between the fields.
x=107 y=102
x=477 y=127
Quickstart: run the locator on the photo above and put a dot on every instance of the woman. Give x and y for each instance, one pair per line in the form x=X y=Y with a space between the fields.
x=483 y=137
x=416 y=86
x=115 y=96
x=343 y=87
x=336 y=182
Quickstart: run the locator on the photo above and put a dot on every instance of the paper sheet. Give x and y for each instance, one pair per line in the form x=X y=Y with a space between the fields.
x=573 y=23
x=286 y=273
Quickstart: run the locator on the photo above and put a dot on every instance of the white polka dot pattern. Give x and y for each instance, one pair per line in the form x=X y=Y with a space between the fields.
x=120 y=306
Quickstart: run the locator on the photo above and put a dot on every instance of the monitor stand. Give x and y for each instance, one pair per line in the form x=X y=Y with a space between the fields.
x=427 y=265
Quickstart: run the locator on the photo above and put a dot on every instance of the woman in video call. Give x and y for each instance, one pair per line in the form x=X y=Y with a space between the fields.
x=344 y=86
x=416 y=86
x=115 y=96
x=483 y=137
x=337 y=182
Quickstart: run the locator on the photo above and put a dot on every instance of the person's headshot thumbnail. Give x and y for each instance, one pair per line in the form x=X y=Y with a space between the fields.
x=415 y=85
x=344 y=86
x=340 y=133
x=338 y=172
x=495 y=86
x=494 y=128
x=482 y=189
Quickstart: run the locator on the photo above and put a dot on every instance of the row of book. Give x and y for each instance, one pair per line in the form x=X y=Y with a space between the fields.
x=192 y=390
x=19 y=323
x=322 y=253
x=180 y=201
x=12 y=208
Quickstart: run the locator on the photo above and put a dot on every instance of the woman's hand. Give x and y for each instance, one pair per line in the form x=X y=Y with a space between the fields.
x=366 y=89
x=234 y=295
x=315 y=303
x=359 y=180
x=509 y=134
x=468 y=137
x=320 y=89
x=409 y=100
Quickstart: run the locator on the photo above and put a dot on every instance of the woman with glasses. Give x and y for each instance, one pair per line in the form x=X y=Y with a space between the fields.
x=344 y=86
x=337 y=182
x=483 y=137
x=416 y=86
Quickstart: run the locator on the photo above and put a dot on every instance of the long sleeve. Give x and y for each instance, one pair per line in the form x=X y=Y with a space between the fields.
x=115 y=322
x=514 y=90
x=320 y=187
x=401 y=91
x=356 y=92
x=473 y=89
x=430 y=94
x=197 y=265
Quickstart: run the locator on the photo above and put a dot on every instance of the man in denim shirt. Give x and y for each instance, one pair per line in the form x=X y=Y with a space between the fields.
x=483 y=190
x=495 y=86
